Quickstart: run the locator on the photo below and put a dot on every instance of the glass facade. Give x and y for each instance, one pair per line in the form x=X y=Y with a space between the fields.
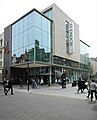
x=48 y=14
x=31 y=39
x=84 y=56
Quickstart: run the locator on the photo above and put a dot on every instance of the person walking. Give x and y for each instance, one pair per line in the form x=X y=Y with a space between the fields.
x=21 y=83
x=9 y=87
x=4 y=84
x=34 y=84
x=93 y=87
x=80 y=85
x=89 y=90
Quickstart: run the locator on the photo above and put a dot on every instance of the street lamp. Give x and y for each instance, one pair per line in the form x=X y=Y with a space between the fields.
x=28 y=74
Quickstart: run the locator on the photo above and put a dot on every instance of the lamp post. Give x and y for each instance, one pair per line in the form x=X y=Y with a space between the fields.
x=28 y=74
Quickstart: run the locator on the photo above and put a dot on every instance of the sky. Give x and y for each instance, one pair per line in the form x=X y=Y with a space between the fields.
x=83 y=12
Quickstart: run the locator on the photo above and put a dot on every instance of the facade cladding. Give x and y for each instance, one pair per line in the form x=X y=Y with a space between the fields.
x=43 y=44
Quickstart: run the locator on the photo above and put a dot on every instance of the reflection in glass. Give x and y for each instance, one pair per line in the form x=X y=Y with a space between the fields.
x=38 y=35
x=31 y=38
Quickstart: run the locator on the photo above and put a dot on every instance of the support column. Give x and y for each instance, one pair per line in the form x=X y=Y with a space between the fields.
x=50 y=77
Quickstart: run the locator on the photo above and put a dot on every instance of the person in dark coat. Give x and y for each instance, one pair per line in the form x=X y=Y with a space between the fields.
x=4 y=84
x=8 y=87
x=11 y=86
x=80 y=85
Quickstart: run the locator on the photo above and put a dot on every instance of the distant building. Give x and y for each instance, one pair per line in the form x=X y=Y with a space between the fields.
x=1 y=55
x=93 y=63
x=43 y=44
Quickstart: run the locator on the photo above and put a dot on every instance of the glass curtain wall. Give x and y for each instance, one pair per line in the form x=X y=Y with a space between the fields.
x=84 y=59
x=31 y=39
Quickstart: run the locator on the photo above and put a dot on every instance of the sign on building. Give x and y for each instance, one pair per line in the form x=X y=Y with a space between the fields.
x=71 y=38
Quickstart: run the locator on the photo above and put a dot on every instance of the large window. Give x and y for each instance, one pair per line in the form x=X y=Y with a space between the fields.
x=48 y=14
x=31 y=38
x=84 y=56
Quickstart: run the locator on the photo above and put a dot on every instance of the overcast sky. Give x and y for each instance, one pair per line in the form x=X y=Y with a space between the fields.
x=83 y=12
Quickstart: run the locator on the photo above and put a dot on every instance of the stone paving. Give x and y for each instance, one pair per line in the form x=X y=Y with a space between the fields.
x=56 y=90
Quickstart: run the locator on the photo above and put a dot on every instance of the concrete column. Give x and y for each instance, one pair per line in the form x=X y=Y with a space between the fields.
x=50 y=75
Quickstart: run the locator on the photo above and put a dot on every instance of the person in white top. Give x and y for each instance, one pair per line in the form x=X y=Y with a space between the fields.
x=93 y=89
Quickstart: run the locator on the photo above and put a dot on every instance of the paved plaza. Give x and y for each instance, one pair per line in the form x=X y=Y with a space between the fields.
x=56 y=90
x=47 y=103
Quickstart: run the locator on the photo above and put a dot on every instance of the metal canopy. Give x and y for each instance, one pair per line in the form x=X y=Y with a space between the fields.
x=31 y=65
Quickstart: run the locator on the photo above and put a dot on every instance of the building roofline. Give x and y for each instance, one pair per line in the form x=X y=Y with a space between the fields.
x=55 y=5
x=29 y=13
x=84 y=43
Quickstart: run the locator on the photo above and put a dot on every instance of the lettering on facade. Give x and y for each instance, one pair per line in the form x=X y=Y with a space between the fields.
x=71 y=38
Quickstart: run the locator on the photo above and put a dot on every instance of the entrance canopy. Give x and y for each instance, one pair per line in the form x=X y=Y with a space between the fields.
x=30 y=65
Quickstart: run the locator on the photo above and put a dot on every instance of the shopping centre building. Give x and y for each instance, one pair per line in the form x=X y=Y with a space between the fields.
x=43 y=45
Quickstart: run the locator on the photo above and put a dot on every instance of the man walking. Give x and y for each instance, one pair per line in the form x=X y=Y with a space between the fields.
x=93 y=86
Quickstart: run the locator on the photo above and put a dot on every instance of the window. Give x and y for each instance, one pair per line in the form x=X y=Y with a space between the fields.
x=1 y=43
x=0 y=54
x=48 y=13
x=0 y=64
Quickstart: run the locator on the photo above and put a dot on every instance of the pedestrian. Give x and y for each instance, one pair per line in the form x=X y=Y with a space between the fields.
x=9 y=87
x=80 y=85
x=56 y=81
x=89 y=90
x=41 y=81
x=93 y=87
x=34 y=84
x=21 y=83
x=4 y=84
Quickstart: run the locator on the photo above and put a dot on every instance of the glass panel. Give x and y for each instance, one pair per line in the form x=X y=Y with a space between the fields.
x=31 y=36
x=44 y=24
x=38 y=35
x=49 y=26
x=31 y=52
x=21 y=55
x=26 y=38
x=26 y=23
x=21 y=26
x=37 y=20
x=16 y=43
x=21 y=41
x=49 y=41
x=16 y=28
x=41 y=54
x=31 y=19
x=44 y=39
x=48 y=14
